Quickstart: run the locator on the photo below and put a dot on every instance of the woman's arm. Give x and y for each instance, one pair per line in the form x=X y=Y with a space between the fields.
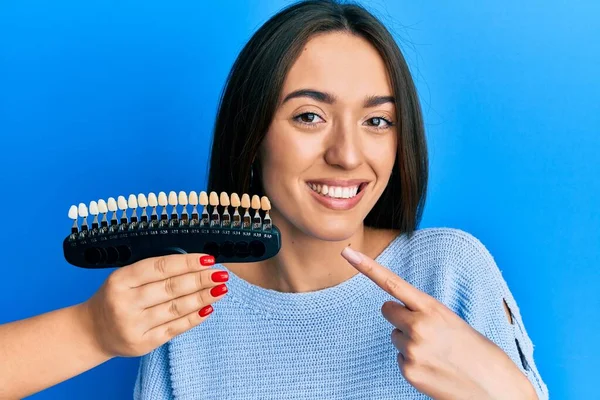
x=138 y=308
x=44 y=350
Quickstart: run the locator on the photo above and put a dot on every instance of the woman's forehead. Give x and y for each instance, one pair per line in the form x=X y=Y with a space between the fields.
x=340 y=63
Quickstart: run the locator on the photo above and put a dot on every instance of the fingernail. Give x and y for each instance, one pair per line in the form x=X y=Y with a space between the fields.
x=220 y=276
x=218 y=290
x=207 y=260
x=204 y=311
x=352 y=256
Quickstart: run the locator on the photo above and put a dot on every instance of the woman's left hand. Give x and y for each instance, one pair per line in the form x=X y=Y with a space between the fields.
x=439 y=353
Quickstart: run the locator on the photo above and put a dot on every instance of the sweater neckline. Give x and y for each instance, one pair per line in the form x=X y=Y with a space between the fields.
x=299 y=305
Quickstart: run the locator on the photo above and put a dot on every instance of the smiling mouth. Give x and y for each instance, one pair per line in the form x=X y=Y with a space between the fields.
x=337 y=192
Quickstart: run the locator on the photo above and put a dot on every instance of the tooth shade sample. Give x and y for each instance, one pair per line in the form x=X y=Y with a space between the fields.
x=203 y=198
x=142 y=201
x=152 y=201
x=73 y=212
x=255 y=202
x=82 y=210
x=265 y=204
x=193 y=198
x=183 y=199
x=112 y=204
x=122 y=203
x=224 y=199
x=214 y=199
x=235 y=200
x=245 y=201
x=162 y=199
x=93 y=208
x=132 y=201
x=172 y=198
x=102 y=206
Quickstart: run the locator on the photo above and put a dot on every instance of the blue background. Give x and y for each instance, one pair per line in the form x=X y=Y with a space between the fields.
x=99 y=99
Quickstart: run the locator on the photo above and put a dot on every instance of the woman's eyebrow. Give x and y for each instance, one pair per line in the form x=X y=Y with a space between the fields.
x=324 y=97
x=373 y=101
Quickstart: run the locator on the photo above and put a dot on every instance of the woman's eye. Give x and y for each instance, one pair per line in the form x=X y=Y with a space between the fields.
x=379 y=122
x=307 y=118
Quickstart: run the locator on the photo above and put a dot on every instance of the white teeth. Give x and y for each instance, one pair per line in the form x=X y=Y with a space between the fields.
x=334 y=191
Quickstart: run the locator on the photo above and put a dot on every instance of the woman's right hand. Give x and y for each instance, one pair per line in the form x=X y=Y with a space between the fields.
x=143 y=305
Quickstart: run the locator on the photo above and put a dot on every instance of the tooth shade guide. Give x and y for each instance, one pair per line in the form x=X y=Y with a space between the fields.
x=98 y=251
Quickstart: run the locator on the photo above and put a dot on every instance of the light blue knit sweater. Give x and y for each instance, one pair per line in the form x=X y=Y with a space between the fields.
x=334 y=343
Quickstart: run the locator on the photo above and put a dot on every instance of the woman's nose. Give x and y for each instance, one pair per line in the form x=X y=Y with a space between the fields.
x=343 y=148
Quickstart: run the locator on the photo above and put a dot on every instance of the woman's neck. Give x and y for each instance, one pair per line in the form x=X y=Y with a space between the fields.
x=306 y=263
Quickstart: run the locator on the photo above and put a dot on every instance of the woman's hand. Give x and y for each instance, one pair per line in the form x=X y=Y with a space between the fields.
x=439 y=353
x=143 y=305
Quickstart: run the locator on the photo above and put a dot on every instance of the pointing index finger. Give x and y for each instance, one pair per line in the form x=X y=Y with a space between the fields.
x=412 y=297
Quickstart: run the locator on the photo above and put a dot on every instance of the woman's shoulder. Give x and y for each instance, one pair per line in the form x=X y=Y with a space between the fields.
x=442 y=261
x=454 y=250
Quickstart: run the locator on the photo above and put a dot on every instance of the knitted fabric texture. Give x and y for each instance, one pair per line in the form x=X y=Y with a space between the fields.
x=334 y=343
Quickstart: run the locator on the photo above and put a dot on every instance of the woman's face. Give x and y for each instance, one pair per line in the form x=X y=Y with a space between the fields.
x=331 y=146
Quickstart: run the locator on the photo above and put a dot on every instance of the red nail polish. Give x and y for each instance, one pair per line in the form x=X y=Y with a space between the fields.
x=205 y=311
x=218 y=290
x=220 y=276
x=207 y=260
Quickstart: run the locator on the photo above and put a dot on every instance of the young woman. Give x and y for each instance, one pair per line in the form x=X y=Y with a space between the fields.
x=320 y=114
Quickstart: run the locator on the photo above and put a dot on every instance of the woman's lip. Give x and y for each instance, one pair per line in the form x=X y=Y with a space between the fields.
x=338 y=182
x=338 y=204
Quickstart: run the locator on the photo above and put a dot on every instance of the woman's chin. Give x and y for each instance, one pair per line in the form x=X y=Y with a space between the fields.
x=333 y=232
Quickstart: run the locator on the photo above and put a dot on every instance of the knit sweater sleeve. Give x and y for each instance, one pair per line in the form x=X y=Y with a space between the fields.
x=492 y=310
x=153 y=379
